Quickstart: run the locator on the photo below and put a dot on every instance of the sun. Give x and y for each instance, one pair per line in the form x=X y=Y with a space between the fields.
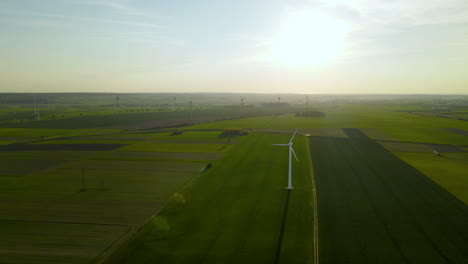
x=308 y=38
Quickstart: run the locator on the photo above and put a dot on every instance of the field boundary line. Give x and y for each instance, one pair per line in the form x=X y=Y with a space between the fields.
x=314 y=194
x=59 y=222
x=134 y=230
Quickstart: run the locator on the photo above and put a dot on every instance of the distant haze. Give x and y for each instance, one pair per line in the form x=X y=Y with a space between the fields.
x=277 y=46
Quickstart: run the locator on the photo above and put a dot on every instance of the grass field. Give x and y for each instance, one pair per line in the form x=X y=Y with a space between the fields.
x=233 y=213
x=12 y=135
x=73 y=195
x=374 y=208
x=29 y=242
x=450 y=170
x=145 y=119
x=76 y=195
x=175 y=147
x=395 y=125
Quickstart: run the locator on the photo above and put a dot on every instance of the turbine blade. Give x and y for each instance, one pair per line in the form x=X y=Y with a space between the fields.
x=280 y=144
x=294 y=153
x=290 y=141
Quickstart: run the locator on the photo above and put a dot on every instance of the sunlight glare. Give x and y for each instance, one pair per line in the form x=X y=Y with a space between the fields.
x=308 y=38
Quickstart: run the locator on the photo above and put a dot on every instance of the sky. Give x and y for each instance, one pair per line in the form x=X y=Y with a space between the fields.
x=241 y=46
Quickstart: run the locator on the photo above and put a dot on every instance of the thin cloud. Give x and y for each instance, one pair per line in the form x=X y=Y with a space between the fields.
x=114 y=5
x=80 y=18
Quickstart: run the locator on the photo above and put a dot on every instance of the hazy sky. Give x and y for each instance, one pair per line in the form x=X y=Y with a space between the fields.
x=290 y=46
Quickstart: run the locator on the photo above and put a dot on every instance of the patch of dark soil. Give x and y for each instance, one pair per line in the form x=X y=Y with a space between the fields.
x=445 y=148
x=457 y=131
x=355 y=133
x=310 y=114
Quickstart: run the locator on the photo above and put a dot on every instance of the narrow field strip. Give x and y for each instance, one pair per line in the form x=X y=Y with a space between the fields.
x=59 y=222
x=61 y=147
x=174 y=147
x=316 y=218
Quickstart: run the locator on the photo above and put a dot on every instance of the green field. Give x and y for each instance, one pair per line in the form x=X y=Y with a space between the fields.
x=397 y=125
x=175 y=147
x=152 y=188
x=449 y=170
x=233 y=214
x=374 y=208
x=29 y=242
x=75 y=195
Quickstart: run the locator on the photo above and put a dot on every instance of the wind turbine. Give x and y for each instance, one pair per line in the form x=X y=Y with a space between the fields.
x=191 y=105
x=242 y=100
x=291 y=152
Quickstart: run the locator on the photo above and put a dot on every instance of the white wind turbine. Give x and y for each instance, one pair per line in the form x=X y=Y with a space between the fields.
x=291 y=152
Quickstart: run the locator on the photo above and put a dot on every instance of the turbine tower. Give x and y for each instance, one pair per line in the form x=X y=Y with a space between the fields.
x=35 y=108
x=291 y=152
x=38 y=112
x=242 y=101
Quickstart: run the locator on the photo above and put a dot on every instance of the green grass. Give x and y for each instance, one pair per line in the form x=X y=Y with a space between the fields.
x=233 y=213
x=398 y=125
x=144 y=119
x=6 y=142
x=84 y=141
x=34 y=162
x=449 y=170
x=54 y=243
x=147 y=155
x=192 y=135
x=26 y=134
x=99 y=188
x=137 y=180
x=406 y=147
x=374 y=208
x=174 y=147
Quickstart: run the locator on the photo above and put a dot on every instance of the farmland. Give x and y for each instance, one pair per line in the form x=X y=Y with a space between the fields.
x=80 y=188
x=132 y=185
x=233 y=214
x=374 y=208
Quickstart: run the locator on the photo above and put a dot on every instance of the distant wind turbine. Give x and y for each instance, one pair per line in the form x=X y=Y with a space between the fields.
x=291 y=152
x=191 y=104
x=242 y=101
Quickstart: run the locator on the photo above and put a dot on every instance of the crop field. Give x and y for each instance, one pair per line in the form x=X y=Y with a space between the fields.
x=45 y=243
x=84 y=186
x=448 y=170
x=406 y=147
x=175 y=147
x=145 y=184
x=374 y=208
x=27 y=134
x=146 y=119
x=393 y=125
x=234 y=213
